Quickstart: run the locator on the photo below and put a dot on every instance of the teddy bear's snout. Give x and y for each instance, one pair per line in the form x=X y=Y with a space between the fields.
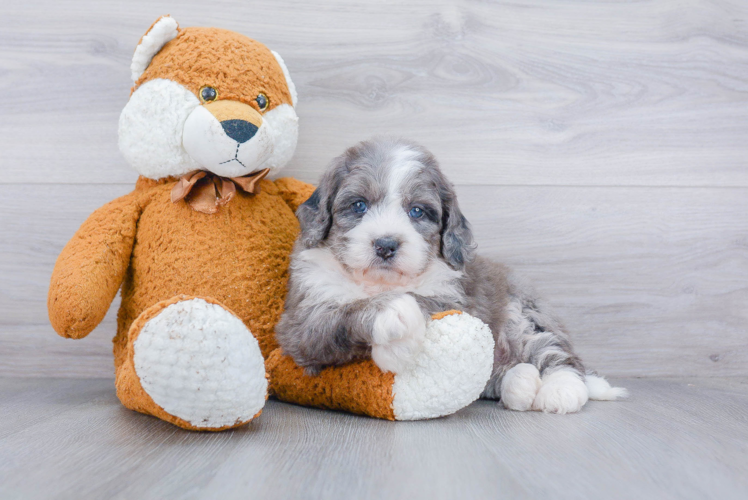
x=240 y=121
x=229 y=138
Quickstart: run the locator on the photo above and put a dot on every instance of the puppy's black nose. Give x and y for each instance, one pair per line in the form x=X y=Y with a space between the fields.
x=386 y=247
x=239 y=130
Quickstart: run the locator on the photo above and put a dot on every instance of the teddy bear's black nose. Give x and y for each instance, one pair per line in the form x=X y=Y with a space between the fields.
x=239 y=130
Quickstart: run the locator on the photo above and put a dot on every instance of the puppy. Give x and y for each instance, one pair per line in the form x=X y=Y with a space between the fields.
x=383 y=246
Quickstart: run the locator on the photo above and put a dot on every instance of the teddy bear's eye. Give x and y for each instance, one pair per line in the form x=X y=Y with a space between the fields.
x=262 y=101
x=208 y=94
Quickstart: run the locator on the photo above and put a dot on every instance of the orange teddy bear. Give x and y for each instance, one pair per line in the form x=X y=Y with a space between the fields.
x=201 y=246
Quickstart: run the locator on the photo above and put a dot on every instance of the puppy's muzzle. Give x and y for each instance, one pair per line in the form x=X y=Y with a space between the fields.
x=386 y=248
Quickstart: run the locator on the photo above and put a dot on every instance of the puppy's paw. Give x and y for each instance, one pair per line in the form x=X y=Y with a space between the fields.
x=398 y=334
x=402 y=318
x=312 y=370
x=520 y=386
x=563 y=391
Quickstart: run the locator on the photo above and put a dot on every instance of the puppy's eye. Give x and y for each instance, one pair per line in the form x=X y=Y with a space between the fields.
x=262 y=101
x=416 y=212
x=359 y=207
x=208 y=94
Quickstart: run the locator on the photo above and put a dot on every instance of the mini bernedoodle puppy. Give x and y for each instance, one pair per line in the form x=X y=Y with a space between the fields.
x=383 y=246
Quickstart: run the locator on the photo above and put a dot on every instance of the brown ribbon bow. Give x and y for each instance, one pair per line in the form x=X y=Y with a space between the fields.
x=206 y=192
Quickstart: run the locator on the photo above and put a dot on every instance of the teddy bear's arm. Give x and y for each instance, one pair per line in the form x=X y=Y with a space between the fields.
x=91 y=268
x=293 y=191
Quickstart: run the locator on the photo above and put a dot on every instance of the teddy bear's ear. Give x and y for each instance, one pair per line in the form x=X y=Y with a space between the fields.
x=162 y=31
x=289 y=82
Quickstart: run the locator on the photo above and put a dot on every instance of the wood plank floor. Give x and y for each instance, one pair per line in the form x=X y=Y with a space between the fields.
x=675 y=438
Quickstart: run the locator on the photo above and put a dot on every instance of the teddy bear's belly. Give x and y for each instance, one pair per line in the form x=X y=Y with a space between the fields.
x=238 y=256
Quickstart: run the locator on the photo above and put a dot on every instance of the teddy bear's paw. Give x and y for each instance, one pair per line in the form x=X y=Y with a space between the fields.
x=449 y=373
x=200 y=363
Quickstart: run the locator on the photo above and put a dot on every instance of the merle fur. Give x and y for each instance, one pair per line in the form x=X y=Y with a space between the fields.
x=322 y=334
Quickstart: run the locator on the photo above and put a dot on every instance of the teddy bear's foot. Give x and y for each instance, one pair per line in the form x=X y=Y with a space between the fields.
x=195 y=364
x=448 y=374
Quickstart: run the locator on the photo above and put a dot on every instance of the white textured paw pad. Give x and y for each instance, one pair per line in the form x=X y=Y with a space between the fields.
x=449 y=373
x=200 y=363
x=562 y=391
x=519 y=386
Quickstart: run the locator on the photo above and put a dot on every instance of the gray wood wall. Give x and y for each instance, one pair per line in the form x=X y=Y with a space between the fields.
x=599 y=147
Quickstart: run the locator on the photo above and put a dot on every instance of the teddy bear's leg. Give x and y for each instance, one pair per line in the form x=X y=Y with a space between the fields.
x=192 y=362
x=449 y=374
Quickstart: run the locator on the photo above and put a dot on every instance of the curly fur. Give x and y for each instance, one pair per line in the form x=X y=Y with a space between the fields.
x=348 y=300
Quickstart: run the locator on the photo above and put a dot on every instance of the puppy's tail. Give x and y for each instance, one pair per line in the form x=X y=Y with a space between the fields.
x=600 y=389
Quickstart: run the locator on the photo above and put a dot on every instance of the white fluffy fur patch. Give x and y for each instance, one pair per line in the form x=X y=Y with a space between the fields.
x=150 y=129
x=449 y=373
x=165 y=30
x=289 y=82
x=562 y=392
x=398 y=334
x=519 y=386
x=283 y=125
x=200 y=363
x=600 y=389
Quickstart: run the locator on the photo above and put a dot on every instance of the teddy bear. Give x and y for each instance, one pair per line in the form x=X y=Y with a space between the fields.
x=200 y=251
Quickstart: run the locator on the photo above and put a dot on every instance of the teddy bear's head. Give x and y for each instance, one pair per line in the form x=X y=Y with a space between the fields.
x=207 y=99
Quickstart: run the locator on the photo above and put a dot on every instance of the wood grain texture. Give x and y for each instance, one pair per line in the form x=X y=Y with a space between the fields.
x=674 y=439
x=599 y=148
x=537 y=92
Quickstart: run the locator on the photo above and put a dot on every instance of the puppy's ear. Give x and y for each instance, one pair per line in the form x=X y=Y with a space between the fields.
x=315 y=214
x=314 y=219
x=457 y=245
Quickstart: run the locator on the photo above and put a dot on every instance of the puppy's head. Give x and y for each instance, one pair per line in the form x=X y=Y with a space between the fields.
x=386 y=211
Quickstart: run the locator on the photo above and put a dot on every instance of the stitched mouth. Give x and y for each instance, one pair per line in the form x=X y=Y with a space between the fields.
x=235 y=158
